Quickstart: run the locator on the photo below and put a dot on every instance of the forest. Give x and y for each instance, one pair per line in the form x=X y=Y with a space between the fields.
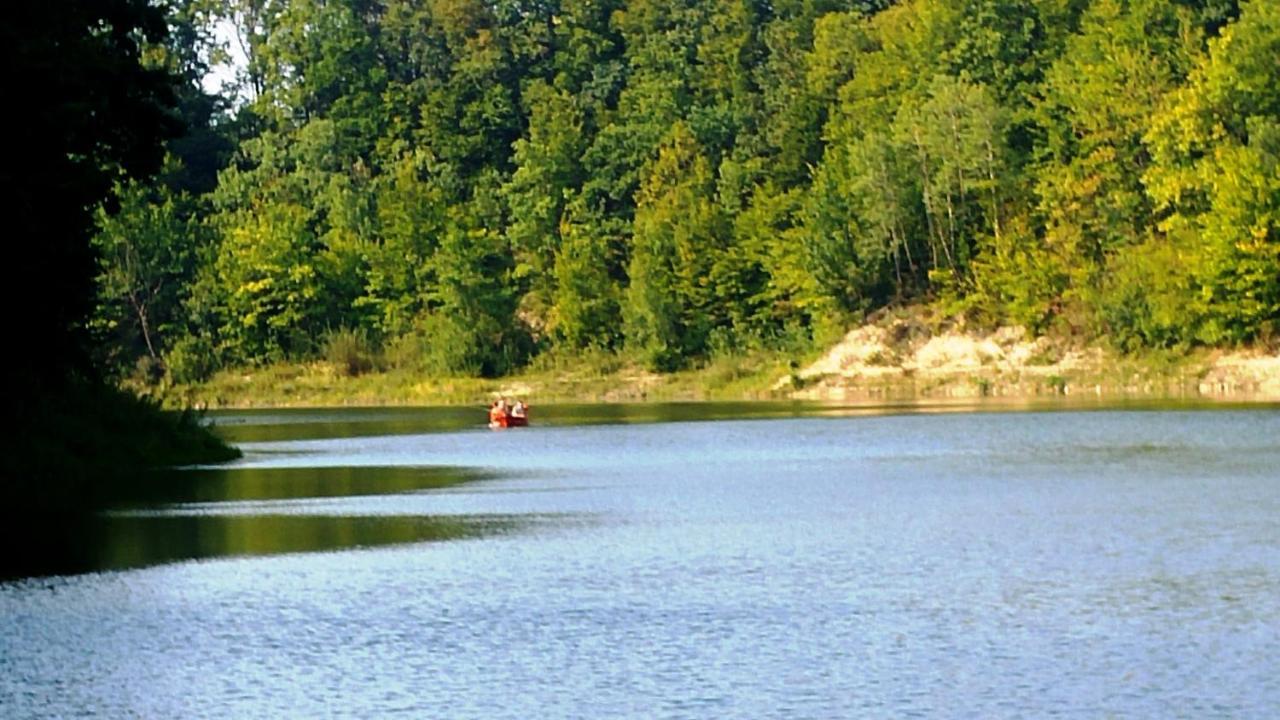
x=460 y=186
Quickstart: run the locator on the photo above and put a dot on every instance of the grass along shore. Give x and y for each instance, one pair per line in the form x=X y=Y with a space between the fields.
x=895 y=358
x=596 y=377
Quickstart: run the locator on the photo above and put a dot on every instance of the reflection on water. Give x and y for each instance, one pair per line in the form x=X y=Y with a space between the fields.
x=243 y=511
x=126 y=541
x=239 y=426
x=231 y=484
x=277 y=425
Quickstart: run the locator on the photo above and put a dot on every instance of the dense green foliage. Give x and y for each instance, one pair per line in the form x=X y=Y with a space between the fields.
x=466 y=183
x=94 y=103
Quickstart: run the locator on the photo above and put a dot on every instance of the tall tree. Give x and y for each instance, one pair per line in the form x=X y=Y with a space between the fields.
x=548 y=171
x=92 y=112
x=670 y=308
x=1215 y=145
x=149 y=249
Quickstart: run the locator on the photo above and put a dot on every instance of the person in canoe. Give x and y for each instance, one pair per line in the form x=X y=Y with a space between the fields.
x=504 y=413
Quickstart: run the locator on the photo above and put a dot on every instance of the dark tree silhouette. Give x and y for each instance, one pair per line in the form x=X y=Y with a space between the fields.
x=84 y=112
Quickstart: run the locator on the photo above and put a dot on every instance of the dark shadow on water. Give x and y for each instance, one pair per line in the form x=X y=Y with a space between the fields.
x=305 y=424
x=229 y=484
x=70 y=545
x=148 y=524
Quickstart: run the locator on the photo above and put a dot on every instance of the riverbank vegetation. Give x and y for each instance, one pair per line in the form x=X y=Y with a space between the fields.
x=95 y=110
x=895 y=357
x=582 y=377
x=91 y=444
x=467 y=189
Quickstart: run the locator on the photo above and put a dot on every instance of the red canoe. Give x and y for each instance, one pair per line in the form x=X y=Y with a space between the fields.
x=506 y=420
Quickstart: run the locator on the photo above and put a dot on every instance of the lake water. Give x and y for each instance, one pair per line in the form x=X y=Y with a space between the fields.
x=789 y=561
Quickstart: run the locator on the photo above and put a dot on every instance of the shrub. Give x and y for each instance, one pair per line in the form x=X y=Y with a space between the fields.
x=350 y=350
x=405 y=352
x=192 y=359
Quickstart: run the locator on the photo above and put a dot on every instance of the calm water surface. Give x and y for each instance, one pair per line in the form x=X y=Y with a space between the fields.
x=783 y=561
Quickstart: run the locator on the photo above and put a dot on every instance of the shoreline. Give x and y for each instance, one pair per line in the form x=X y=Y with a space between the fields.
x=1229 y=379
x=870 y=400
x=906 y=356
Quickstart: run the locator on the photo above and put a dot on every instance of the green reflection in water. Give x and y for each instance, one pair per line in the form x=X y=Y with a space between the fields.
x=128 y=541
x=302 y=424
x=237 y=484
x=150 y=526
x=240 y=426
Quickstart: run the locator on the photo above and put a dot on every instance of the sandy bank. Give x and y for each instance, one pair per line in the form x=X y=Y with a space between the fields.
x=898 y=358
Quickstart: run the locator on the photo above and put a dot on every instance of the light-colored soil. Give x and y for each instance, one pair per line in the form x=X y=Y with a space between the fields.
x=1249 y=373
x=899 y=358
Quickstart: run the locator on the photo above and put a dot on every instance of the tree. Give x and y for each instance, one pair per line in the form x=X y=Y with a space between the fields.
x=955 y=141
x=411 y=217
x=586 y=308
x=149 y=250
x=861 y=223
x=548 y=170
x=1213 y=177
x=1093 y=104
x=92 y=113
x=1240 y=273
x=471 y=326
x=1098 y=100
x=670 y=307
x=272 y=289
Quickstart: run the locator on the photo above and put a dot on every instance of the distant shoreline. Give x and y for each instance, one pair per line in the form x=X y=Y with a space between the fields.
x=891 y=361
